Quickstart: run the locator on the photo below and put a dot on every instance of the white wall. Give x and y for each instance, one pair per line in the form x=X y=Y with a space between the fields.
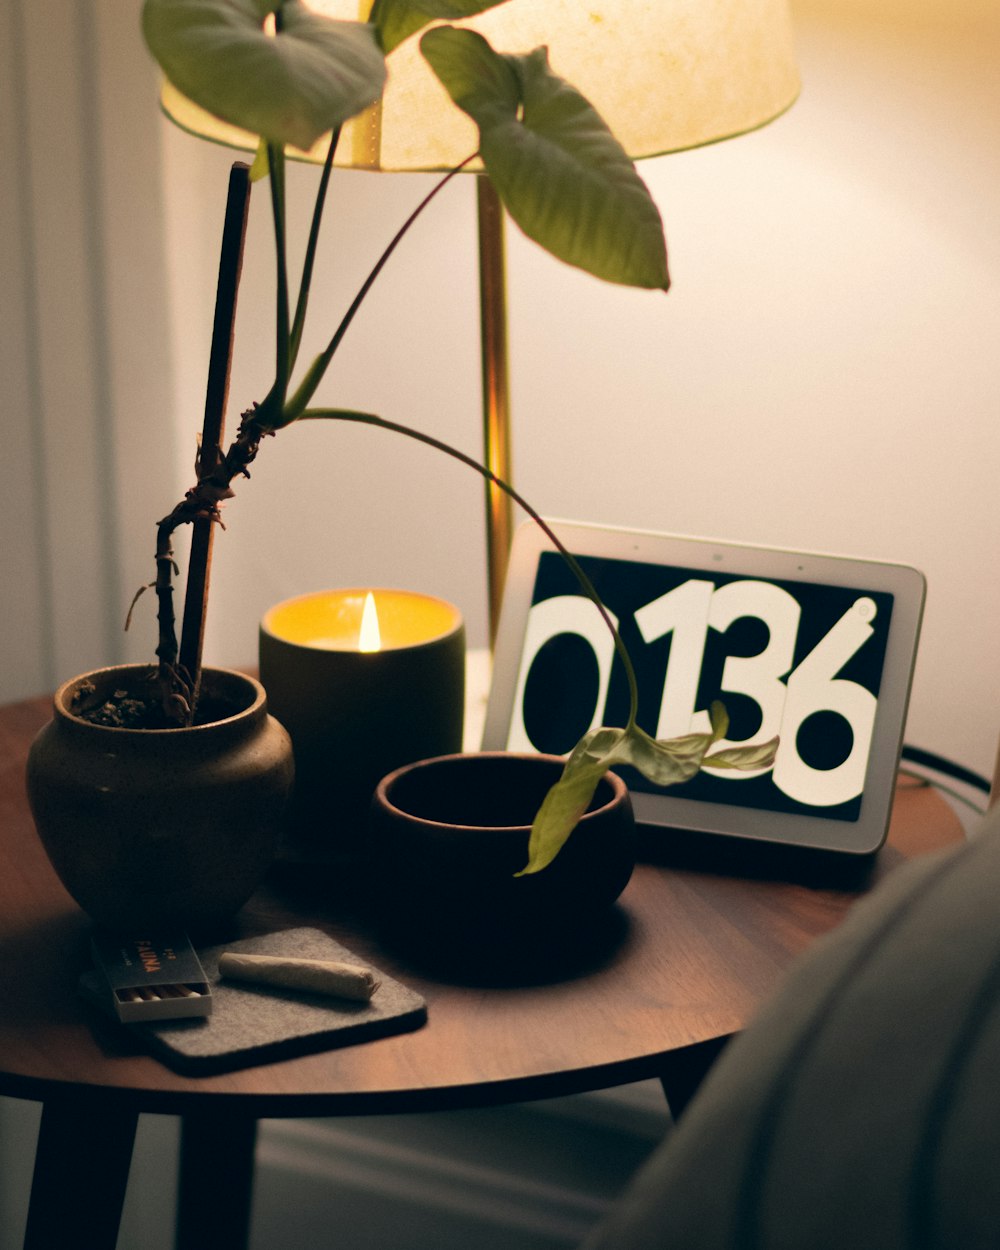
x=84 y=355
x=823 y=373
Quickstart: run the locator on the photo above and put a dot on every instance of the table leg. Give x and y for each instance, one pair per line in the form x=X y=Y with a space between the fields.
x=684 y=1070
x=215 y=1186
x=81 y=1172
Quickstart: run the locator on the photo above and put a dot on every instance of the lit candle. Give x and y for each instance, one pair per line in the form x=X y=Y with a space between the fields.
x=364 y=681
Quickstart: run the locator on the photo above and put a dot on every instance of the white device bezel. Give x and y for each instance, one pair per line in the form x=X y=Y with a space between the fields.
x=669 y=808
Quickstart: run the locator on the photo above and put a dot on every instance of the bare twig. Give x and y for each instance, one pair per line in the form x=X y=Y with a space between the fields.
x=202 y=502
x=216 y=396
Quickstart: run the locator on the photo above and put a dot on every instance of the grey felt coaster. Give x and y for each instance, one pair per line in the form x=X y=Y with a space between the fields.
x=253 y=1024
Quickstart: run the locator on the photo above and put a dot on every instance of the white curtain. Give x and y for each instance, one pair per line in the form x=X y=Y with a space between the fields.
x=84 y=356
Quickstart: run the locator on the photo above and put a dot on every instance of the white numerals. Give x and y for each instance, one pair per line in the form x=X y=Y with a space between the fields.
x=563 y=614
x=785 y=696
x=688 y=612
x=813 y=687
x=682 y=612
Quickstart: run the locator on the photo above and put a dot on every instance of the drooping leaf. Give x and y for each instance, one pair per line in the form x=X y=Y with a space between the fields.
x=664 y=762
x=560 y=172
x=288 y=88
x=744 y=759
x=669 y=761
x=566 y=802
x=396 y=20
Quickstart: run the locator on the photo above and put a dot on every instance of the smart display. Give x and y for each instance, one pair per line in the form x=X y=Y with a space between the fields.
x=817 y=649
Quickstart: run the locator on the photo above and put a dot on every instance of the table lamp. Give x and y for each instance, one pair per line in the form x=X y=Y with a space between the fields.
x=666 y=75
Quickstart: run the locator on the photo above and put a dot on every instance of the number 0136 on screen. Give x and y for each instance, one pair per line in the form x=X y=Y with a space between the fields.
x=792 y=658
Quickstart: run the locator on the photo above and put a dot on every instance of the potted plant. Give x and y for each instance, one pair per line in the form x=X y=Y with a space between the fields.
x=279 y=71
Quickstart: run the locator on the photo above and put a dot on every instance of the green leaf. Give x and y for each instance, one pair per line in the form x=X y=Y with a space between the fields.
x=567 y=801
x=559 y=170
x=746 y=758
x=669 y=761
x=664 y=762
x=396 y=20
x=719 y=718
x=261 y=167
x=289 y=88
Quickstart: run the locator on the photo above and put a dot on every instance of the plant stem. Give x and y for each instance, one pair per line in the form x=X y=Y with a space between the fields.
x=282 y=364
x=166 y=650
x=310 y=257
x=203 y=501
x=307 y=388
x=368 y=418
x=216 y=399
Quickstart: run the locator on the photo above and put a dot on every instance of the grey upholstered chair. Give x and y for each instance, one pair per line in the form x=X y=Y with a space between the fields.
x=861 y=1110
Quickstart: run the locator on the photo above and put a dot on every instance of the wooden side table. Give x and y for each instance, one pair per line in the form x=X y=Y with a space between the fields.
x=705 y=938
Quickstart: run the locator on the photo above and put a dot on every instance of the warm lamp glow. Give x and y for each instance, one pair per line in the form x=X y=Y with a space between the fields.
x=665 y=74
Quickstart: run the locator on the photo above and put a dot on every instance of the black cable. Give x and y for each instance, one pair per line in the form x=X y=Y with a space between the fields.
x=946 y=768
x=942 y=765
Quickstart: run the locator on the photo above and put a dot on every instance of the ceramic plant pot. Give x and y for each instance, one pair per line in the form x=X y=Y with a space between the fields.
x=161 y=828
x=448 y=835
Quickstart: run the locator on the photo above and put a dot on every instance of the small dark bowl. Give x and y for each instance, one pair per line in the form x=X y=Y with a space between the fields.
x=448 y=835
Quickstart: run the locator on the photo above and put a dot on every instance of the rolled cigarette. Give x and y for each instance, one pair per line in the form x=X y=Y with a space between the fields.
x=317 y=976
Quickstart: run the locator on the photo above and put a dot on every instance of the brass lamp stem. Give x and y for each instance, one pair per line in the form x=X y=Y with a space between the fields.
x=496 y=390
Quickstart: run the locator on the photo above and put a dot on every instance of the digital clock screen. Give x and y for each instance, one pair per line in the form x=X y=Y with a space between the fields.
x=785 y=657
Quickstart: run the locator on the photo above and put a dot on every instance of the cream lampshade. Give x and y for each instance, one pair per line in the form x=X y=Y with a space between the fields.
x=666 y=75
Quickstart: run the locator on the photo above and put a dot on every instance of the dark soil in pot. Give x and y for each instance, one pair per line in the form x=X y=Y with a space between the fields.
x=133 y=702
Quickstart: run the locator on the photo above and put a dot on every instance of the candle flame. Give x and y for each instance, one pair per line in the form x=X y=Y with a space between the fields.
x=369 y=637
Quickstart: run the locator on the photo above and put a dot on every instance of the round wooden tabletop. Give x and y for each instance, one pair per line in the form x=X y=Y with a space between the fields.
x=699 y=942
